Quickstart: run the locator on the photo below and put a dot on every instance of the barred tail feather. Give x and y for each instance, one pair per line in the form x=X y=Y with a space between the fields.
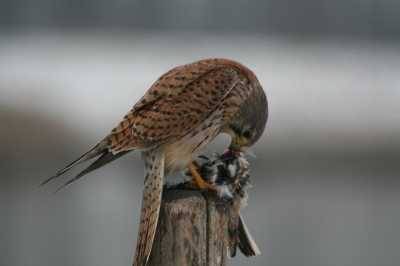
x=100 y=148
x=104 y=159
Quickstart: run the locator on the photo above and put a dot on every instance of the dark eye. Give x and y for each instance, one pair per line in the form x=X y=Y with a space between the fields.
x=247 y=134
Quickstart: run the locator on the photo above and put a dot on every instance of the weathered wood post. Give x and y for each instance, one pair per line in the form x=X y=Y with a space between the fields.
x=192 y=230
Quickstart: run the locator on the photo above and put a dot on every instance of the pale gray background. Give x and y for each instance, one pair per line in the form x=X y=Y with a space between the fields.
x=327 y=178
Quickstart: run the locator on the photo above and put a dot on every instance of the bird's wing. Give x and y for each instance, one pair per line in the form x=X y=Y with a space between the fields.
x=246 y=244
x=178 y=101
x=153 y=185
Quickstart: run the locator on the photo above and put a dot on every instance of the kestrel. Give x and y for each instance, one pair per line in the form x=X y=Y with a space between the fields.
x=173 y=122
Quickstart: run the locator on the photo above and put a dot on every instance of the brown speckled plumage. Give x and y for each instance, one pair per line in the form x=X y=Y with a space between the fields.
x=174 y=121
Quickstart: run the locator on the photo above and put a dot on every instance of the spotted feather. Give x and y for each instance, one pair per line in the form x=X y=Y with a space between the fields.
x=185 y=102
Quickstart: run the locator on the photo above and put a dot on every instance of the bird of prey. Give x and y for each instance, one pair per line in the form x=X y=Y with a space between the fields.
x=173 y=122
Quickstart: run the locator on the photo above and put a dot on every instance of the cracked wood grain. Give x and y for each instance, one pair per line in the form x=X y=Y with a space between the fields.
x=192 y=230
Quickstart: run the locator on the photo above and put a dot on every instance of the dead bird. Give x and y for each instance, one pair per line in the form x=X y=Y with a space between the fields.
x=229 y=173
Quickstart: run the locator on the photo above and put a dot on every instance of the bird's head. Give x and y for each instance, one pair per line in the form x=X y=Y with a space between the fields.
x=249 y=122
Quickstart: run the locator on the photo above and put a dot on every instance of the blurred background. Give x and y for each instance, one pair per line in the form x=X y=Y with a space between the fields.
x=327 y=177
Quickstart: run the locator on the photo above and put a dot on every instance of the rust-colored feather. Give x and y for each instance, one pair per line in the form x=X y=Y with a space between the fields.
x=175 y=104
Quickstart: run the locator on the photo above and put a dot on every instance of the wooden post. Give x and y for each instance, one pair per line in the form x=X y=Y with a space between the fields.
x=192 y=230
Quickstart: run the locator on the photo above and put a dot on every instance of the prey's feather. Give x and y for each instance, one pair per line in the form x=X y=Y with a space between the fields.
x=246 y=244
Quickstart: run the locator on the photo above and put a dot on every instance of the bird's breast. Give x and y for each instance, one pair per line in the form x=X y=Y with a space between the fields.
x=183 y=149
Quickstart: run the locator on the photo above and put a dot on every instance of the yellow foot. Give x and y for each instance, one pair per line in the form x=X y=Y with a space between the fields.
x=203 y=185
x=198 y=181
x=197 y=164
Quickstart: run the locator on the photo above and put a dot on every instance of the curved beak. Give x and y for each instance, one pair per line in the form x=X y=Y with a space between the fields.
x=236 y=144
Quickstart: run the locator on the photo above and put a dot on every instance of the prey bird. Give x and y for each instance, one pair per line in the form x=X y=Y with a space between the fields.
x=173 y=122
x=229 y=174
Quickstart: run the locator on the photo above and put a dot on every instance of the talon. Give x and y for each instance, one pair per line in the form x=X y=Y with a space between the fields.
x=198 y=181
x=197 y=164
x=203 y=185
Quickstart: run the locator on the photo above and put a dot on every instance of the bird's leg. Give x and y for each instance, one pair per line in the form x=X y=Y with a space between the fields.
x=235 y=238
x=197 y=180
x=196 y=163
